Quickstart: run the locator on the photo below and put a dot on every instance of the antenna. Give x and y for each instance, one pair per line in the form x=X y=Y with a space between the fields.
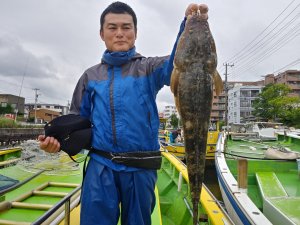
x=17 y=106
x=35 y=102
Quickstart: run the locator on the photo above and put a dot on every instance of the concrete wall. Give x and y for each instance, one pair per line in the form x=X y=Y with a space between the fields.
x=19 y=134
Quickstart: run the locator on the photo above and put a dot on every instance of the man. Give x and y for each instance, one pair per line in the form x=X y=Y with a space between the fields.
x=118 y=96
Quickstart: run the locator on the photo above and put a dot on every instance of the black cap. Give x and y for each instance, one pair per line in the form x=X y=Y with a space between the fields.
x=73 y=132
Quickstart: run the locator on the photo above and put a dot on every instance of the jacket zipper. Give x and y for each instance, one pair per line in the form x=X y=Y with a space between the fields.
x=112 y=109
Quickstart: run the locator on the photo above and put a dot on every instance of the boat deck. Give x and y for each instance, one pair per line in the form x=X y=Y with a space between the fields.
x=9 y=156
x=40 y=190
x=273 y=185
x=174 y=196
x=289 y=207
x=276 y=198
x=44 y=186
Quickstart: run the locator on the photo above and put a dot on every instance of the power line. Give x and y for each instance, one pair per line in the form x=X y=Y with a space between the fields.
x=296 y=62
x=248 y=54
x=19 y=86
x=264 y=57
x=288 y=37
x=249 y=44
x=260 y=47
x=14 y=84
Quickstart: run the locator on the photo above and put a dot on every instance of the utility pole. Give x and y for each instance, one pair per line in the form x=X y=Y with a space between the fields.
x=68 y=107
x=226 y=94
x=35 y=102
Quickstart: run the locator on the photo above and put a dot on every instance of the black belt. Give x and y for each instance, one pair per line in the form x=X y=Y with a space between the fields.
x=142 y=159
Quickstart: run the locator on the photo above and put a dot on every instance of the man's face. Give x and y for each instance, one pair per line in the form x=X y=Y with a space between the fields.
x=118 y=32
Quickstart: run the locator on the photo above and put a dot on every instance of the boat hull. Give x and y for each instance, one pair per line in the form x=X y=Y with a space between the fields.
x=173 y=191
x=46 y=193
x=272 y=184
x=178 y=148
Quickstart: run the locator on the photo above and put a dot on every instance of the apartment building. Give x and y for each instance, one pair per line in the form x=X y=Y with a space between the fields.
x=288 y=77
x=16 y=102
x=169 y=110
x=219 y=102
x=240 y=103
x=218 y=107
x=241 y=95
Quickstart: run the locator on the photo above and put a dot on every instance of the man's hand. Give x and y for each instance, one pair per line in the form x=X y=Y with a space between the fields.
x=193 y=8
x=49 y=144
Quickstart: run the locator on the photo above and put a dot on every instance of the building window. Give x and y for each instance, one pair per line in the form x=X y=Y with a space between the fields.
x=244 y=94
x=254 y=93
x=244 y=103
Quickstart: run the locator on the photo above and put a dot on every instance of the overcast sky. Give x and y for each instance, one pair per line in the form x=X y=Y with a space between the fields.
x=49 y=44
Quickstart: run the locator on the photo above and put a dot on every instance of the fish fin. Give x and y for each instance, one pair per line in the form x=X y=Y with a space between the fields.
x=177 y=104
x=174 y=86
x=174 y=81
x=218 y=83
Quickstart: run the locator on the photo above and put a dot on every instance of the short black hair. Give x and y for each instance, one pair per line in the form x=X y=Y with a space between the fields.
x=118 y=8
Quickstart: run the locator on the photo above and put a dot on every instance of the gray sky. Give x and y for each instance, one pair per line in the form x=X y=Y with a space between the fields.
x=50 y=43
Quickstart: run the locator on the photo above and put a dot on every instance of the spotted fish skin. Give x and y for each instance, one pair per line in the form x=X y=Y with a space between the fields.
x=192 y=85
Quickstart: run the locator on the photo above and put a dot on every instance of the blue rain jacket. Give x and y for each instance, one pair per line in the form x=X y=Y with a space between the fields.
x=118 y=96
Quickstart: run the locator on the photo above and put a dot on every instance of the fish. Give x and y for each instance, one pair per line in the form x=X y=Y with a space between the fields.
x=193 y=77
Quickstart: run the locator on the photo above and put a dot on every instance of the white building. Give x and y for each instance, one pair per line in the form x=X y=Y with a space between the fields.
x=169 y=110
x=240 y=103
x=63 y=110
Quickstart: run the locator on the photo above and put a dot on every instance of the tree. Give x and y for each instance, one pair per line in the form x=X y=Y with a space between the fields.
x=174 y=121
x=290 y=113
x=7 y=109
x=274 y=103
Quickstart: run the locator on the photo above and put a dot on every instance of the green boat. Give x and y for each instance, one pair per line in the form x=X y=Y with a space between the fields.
x=260 y=180
x=41 y=194
x=9 y=156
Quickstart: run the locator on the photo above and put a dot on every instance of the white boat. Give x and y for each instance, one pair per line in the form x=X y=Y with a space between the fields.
x=256 y=189
x=255 y=130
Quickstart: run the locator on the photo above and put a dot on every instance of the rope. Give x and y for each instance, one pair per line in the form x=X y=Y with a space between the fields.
x=240 y=156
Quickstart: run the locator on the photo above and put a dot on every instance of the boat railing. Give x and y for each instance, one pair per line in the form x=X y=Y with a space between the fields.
x=165 y=144
x=220 y=142
x=66 y=201
x=178 y=173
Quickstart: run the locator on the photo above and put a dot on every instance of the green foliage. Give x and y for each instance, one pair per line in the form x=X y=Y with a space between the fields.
x=291 y=116
x=7 y=123
x=274 y=104
x=174 y=121
x=30 y=120
x=6 y=109
x=221 y=124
